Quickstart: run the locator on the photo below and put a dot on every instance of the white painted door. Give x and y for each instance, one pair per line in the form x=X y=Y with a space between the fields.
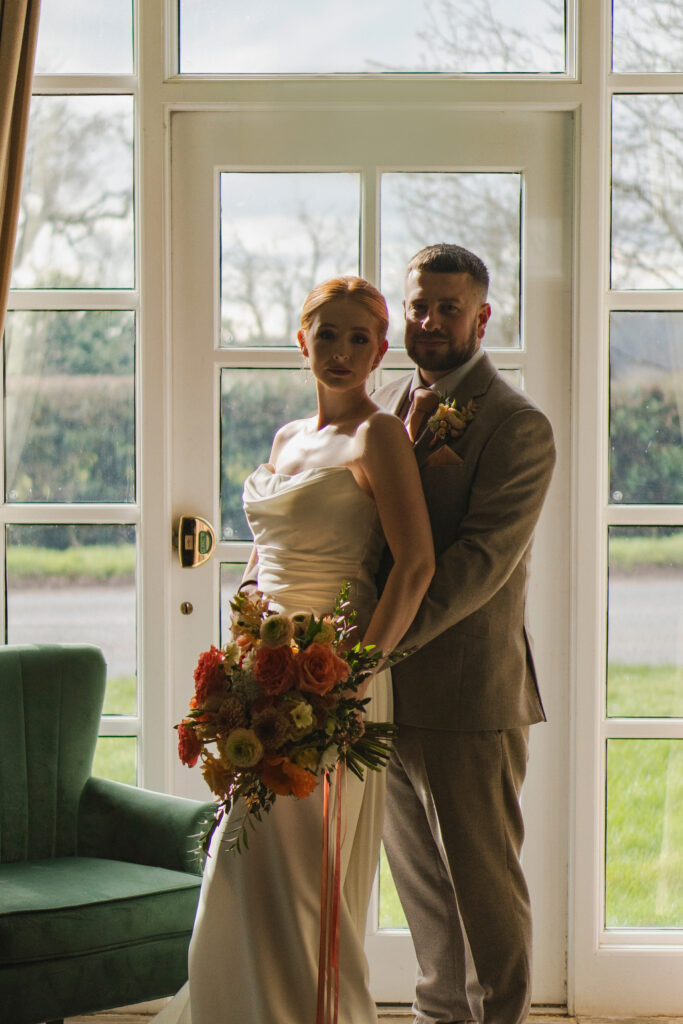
x=269 y=199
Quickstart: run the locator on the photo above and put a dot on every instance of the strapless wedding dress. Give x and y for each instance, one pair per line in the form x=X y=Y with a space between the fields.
x=254 y=950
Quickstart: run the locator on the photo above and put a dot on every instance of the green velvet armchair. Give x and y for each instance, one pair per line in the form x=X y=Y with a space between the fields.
x=98 y=881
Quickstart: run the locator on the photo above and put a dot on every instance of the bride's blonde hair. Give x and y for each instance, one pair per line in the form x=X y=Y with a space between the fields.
x=356 y=288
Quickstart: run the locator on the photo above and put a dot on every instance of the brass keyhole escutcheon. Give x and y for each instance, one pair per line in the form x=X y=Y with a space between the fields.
x=187 y=608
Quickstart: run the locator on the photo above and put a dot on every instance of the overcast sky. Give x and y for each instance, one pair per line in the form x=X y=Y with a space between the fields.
x=80 y=36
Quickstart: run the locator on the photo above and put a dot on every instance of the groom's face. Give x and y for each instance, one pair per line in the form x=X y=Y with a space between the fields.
x=445 y=320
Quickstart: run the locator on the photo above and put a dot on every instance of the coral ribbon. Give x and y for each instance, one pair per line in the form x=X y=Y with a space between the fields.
x=327 y=1010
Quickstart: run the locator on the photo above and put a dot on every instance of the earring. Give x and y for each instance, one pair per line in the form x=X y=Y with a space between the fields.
x=307 y=371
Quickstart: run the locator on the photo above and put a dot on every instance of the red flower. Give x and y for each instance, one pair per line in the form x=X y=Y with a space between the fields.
x=209 y=675
x=189 y=746
x=273 y=669
x=318 y=668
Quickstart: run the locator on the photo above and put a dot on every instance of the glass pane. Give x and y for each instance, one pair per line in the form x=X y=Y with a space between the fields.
x=322 y=37
x=513 y=377
x=76 y=214
x=116 y=758
x=644 y=834
x=246 y=438
x=647 y=191
x=85 y=37
x=390 y=910
x=646 y=400
x=231 y=577
x=281 y=234
x=645 y=623
x=647 y=36
x=70 y=406
x=76 y=584
x=478 y=211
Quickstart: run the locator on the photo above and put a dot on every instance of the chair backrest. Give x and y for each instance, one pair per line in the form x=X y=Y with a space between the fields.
x=50 y=704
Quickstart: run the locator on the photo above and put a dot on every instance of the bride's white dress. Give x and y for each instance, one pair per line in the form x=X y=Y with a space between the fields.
x=254 y=950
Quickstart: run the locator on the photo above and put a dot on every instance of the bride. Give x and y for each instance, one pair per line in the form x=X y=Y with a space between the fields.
x=337 y=486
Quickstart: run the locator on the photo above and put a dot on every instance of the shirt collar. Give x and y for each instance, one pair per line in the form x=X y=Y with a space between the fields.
x=447 y=384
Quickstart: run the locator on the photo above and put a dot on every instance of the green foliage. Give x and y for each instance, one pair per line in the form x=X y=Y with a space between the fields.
x=646 y=463
x=70 y=422
x=80 y=446
x=88 y=342
x=254 y=405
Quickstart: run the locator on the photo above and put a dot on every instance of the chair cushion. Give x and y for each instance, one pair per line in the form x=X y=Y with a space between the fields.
x=72 y=905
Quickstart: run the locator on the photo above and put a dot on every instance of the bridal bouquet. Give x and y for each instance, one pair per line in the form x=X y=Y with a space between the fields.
x=276 y=708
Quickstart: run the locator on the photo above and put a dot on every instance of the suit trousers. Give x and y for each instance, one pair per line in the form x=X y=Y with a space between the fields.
x=453 y=835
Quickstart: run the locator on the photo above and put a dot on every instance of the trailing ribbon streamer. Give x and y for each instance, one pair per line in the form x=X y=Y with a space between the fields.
x=327 y=1010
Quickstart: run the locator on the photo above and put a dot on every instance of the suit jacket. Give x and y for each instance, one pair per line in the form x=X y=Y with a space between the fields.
x=472 y=668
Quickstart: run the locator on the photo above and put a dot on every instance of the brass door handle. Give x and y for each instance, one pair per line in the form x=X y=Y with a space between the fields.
x=195 y=540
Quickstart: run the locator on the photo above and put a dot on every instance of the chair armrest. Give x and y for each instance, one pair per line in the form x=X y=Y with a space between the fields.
x=126 y=823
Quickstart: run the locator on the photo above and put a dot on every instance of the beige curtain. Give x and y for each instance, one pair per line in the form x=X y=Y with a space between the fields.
x=18 y=36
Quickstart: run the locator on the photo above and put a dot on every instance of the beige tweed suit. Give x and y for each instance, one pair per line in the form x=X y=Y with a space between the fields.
x=463 y=701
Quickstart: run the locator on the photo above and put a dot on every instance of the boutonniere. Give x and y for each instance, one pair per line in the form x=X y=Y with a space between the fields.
x=450 y=421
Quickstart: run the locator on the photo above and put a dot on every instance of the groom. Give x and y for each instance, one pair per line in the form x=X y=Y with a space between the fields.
x=465 y=699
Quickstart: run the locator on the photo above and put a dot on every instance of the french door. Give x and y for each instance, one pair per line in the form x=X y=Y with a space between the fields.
x=267 y=200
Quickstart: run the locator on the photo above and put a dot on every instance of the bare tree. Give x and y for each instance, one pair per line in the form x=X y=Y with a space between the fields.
x=76 y=214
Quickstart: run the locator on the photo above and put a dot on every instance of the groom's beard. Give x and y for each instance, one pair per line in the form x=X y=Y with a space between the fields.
x=443 y=357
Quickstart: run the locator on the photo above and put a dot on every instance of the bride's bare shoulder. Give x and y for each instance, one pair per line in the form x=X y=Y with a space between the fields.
x=383 y=426
x=289 y=430
x=287 y=433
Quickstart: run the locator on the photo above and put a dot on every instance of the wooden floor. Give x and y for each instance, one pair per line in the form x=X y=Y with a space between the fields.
x=392 y=1015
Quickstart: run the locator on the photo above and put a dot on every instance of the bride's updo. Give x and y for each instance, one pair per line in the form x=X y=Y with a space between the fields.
x=355 y=288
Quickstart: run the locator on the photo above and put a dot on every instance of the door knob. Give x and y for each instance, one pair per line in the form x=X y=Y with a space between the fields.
x=196 y=541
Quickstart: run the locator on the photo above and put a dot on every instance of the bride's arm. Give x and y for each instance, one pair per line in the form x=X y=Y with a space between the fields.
x=389 y=466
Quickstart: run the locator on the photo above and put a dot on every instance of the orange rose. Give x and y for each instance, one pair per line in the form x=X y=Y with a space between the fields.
x=285 y=778
x=318 y=668
x=273 y=669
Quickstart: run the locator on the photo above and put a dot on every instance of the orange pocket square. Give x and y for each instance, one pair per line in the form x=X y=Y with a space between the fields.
x=443 y=456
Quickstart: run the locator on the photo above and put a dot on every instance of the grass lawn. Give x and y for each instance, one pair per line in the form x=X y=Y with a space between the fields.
x=632 y=553
x=93 y=563
x=644 y=864
x=644 y=834
x=645 y=691
x=116 y=756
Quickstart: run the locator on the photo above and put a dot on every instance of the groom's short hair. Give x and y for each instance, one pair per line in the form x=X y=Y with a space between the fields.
x=446 y=258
